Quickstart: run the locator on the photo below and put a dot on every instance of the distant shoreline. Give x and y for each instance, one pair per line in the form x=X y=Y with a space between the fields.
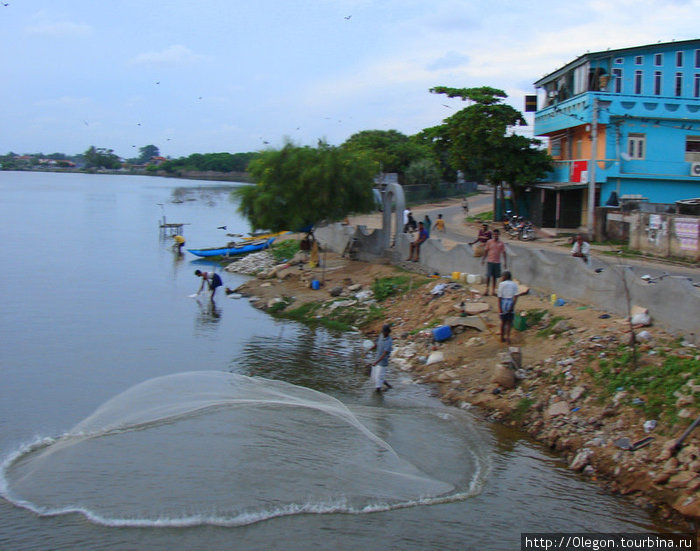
x=179 y=175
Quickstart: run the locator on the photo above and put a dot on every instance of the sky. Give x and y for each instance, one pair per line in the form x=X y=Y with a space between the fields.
x=235 y=76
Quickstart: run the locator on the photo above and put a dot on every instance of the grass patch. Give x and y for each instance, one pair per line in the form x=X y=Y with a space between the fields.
x=547 y=331
x=650 y=387
x=284 y=250
x=340 y=319
x=483 y=217
x=521 y=408
x=386 y=287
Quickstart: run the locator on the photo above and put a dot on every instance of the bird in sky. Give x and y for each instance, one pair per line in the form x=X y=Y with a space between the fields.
x=221 y=228
x=347 y=17
x=158 y=82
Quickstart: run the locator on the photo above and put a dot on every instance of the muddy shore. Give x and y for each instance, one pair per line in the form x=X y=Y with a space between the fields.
x=548 y=382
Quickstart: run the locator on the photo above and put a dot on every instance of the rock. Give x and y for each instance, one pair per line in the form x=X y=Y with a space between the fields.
x=685 y=413
x=336 y=291
x=355 y=288
x=670 y=466
x=468 y=321
x=688 y=454
x=435 y=357
x=561 y=326
x=666 y=450
x=475 y=341
x=681 y=480
x=577 y=392
x=503 y=377
x=685 y=400
x=581 y=459
x=557 y=408
x=649 y=425
x=273 y=301
x=661 y=478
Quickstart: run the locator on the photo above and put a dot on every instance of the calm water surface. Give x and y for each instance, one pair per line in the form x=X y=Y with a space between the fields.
x=134 y=417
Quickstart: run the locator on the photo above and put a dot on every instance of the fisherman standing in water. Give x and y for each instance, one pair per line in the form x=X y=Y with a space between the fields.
x=383 y=347
x=212 y=278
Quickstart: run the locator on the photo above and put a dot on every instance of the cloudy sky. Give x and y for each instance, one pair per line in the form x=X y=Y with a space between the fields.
x=230 y=75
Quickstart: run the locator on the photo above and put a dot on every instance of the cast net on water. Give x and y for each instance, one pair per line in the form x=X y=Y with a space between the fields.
x=221 y=448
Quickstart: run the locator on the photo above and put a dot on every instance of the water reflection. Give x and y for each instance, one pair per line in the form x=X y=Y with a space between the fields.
x=208 y=315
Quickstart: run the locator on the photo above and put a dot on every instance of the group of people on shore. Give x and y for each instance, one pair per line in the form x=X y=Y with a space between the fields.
x=423 y=228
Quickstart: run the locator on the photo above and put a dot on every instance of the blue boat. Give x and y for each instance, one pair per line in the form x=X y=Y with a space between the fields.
x=247 y=247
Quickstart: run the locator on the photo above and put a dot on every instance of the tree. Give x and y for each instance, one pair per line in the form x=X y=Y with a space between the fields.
x=146 y=153
x=477 y=141
x=299 y=186
x=423 y=172
x=101 y=158
x=391 y=150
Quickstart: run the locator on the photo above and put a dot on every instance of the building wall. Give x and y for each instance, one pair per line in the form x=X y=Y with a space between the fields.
x=669 y=235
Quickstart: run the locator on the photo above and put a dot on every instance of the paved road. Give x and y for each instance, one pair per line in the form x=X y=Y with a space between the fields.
x=460 y=232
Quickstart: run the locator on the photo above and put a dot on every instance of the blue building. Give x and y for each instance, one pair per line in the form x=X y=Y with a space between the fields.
x=625 y=121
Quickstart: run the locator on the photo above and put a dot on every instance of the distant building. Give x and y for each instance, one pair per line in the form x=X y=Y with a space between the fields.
x=625 y=121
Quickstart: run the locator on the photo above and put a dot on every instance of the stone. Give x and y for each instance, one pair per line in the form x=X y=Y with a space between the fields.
x=685 y=413
x=681 y=480
x=336 y=291
x=557 y=408
x=581 y=460
x=435 y=357
x=468 y=321
x=561 y=326
x=503 y=377
x=688 y=454
x=577 y=392
x=355 y=288
x=475 y=341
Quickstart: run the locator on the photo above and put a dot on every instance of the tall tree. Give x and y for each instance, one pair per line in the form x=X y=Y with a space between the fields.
x=300 y=186
x=101 y=157
x=147 y=152
x=478 y=141
x=390 y=149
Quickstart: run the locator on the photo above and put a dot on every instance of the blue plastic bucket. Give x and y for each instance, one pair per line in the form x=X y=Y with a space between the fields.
x=442 y=333
x=315 y=284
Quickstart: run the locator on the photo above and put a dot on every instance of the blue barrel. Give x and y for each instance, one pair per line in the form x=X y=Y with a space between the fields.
x=315 y=284
x=442 y=333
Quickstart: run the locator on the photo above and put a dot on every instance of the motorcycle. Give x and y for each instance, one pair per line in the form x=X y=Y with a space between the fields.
x=527 y=232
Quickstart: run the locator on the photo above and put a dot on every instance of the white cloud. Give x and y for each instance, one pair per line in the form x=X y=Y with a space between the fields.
x=59 y=29
x=173 y=55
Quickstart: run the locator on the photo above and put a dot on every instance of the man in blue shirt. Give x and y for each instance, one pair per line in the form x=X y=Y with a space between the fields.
x=415 y=246
x=383 y=346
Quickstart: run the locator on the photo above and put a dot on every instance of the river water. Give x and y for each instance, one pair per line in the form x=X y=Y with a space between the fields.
x=135 y=417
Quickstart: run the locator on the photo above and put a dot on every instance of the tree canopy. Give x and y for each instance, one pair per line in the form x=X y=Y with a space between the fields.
x=218 y=162
x=101 y=157
x=477 y=141
x=300 y=186
x=391 y=150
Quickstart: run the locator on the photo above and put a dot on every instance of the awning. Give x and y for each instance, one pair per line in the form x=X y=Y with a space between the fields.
x=561 y=186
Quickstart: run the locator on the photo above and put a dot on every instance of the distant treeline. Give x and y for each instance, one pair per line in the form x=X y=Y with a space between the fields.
x=209 y=162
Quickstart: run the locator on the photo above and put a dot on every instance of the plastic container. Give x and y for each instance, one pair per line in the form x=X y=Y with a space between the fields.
x=456 y=276
x=463 y=277
x=442 y=333
x=474 y=278
x=315 y=284
x=519 y=322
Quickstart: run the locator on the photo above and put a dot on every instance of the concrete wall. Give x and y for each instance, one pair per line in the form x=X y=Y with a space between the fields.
x=675 y=235
x=673 y=302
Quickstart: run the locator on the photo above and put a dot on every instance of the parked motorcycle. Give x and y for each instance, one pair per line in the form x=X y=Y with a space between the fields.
x=518 y=228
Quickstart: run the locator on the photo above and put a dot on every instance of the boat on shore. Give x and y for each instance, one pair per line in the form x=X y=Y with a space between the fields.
x=234 y=248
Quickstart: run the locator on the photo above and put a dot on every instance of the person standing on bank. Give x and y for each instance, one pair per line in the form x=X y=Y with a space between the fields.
x=493 y=251
x=383 y=347
x=507 y=297
x=212 y=278
x=427 y=222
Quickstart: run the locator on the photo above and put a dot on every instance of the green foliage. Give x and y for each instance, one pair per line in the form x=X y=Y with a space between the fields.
x=390 y=150
x=478 y=143
x=521 y=408
x=386 y=287
x=423 y=172
x=284 y=250
x=654 y=385
x=481 y=217
x=216 y=162
x=300 y=186
x=101 y=158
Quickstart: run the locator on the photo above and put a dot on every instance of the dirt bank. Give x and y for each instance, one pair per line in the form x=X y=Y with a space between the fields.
x=553 y=382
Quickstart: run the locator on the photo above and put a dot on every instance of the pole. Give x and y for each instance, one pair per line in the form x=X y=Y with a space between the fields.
x=591 y=170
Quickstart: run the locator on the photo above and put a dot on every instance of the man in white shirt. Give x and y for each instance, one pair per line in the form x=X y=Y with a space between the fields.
x=581 y=249
x=507 y=297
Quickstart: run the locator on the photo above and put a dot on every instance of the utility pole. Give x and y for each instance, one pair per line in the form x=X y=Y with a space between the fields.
x=591 y=170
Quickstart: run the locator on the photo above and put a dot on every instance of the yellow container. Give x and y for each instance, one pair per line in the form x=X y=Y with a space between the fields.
x=553 y=299
x=455 y=276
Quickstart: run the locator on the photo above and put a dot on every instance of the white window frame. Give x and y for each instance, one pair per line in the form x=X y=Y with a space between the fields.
x=678 y=84
x=658 y=80
x=639 y=60
x=619 y=61
x=679 y=58
x=658 y=60
x=639 y=81
x=696 y=86
x=697 y=59
x=636 y=146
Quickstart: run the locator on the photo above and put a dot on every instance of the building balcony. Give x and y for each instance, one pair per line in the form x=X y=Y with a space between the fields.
x=578 y=110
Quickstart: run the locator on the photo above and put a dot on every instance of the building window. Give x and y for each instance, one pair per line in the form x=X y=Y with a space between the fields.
x=658 y=60
x=696 y=86
x=639 y=60
x=657 y=83
x=617 y=83
x=636 y=145
x=638 y=82
x=555 y=147
x=618 y=61
x=692 y=148
x=697 y=59
x=679 y=59
x=679 y=84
